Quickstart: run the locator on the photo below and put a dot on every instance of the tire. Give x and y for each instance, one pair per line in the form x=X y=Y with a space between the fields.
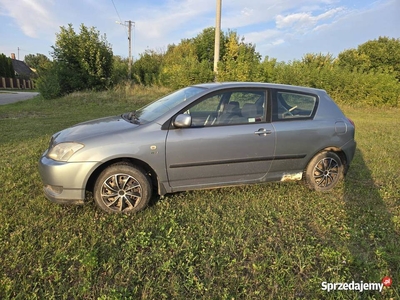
x=122 y=188
x=324 y=171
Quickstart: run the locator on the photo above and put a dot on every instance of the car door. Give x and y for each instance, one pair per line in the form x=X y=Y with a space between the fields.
x=298 y=134
x=229 y=142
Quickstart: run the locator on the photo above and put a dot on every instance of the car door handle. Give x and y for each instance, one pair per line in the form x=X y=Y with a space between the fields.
x=262 y=131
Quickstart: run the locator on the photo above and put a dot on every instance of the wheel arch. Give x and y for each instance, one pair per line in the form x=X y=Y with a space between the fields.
x=128 y=160
x=340 y=153
x=336 y=150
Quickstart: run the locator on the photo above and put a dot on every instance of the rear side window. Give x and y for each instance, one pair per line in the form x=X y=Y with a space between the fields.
x=292 y=105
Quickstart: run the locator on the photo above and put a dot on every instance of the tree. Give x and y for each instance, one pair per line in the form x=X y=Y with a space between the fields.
x=51 y=83
x=354 y=60
x=382 y=54
x=37 y=61
x=181 y=67
x=204 y=44
x=241 y=61
x=119 y=69
x=146 y=70
x=191 y=57
x=87 y=56
x=268 y=69
x=6 y=67
x=3 y=65
x=10 y=69
x=318 y=61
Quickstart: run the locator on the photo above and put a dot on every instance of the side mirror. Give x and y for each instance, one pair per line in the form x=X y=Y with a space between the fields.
x=183 y=121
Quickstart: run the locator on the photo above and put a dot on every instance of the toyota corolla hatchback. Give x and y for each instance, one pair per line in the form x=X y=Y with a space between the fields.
x=202 y=136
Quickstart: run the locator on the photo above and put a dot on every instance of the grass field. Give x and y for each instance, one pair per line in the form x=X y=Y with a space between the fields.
x=270 y=241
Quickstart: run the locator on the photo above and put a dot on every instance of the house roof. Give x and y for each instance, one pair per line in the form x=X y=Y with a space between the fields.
x=21 y=68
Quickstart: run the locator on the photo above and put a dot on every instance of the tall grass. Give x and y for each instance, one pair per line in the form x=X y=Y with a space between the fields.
x=270 y=241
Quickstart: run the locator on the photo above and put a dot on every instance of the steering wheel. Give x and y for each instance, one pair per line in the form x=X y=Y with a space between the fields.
x=289 y=111
x=208 y=117
x=208 y=120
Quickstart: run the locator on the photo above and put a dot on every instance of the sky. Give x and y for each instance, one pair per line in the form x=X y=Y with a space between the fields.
x=281 y=29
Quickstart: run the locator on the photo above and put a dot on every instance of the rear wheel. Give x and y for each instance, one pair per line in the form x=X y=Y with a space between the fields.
x=324 y=171
x=122 y=188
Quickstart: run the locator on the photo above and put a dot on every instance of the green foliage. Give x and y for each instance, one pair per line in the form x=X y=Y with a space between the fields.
x=189 y=62
x=6 y=67
x=119 y=69
x=147 y=68
x=58 y=80
x=366 y=76
x=49 y=84
x=363 y=89
x=267 y=69
x=181 y=67
x=10 y=69
x=353 y=60
x=3 y=65
x=204 y=44
x=241 y=62
x=353 y=86
x=37 y=61
x=81 y=61
x=382 y=54
x=192 y=61
x=318 y=61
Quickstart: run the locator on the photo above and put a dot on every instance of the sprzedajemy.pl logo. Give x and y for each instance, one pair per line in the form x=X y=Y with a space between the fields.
x=357 y=286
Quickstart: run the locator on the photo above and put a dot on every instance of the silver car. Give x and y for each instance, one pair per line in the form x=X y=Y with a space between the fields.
x=202 y=136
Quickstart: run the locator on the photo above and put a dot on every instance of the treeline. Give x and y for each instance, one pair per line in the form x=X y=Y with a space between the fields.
x=368 y=75
x=6 y=67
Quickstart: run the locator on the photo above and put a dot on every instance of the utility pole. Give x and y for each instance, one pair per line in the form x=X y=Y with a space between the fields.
x=129 y=25
x=130 y=48
x=217 y=36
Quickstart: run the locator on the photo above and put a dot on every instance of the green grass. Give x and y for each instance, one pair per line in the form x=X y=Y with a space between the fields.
x=270 y=241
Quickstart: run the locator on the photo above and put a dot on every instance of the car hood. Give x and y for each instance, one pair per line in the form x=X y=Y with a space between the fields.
x=91 y=129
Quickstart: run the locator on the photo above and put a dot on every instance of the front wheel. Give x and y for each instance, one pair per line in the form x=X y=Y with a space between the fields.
x=122 y=188
x=324 y=171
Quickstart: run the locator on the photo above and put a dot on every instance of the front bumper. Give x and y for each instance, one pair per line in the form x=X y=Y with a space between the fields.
x=65 y=182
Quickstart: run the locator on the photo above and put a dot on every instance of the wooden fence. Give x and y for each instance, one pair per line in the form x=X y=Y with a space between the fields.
x=16 y=83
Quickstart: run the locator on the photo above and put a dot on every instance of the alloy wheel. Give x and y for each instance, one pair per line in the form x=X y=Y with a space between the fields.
x=121 y=192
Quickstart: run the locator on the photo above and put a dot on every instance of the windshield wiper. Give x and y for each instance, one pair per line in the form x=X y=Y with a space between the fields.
x=133 y=117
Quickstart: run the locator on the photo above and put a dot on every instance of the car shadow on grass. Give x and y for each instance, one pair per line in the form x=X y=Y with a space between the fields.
x=373 y=241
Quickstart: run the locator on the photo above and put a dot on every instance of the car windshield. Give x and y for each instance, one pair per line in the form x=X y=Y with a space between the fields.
x=158 y=108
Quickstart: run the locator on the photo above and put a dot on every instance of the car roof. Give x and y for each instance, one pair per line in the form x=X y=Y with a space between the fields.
x=222 y=85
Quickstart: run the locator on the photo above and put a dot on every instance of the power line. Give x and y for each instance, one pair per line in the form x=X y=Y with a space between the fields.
x=23 y=50
x=116 y=10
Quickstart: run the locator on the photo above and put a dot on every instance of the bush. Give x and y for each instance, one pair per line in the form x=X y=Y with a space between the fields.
x=374 y=88
x=181 y=67
x=48 y=84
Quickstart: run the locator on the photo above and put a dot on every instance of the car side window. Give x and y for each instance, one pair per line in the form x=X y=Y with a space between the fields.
x=291 y=105
x=229 y=108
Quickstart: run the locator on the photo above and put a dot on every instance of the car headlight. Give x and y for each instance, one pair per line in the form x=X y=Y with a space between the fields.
x=64 y=151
